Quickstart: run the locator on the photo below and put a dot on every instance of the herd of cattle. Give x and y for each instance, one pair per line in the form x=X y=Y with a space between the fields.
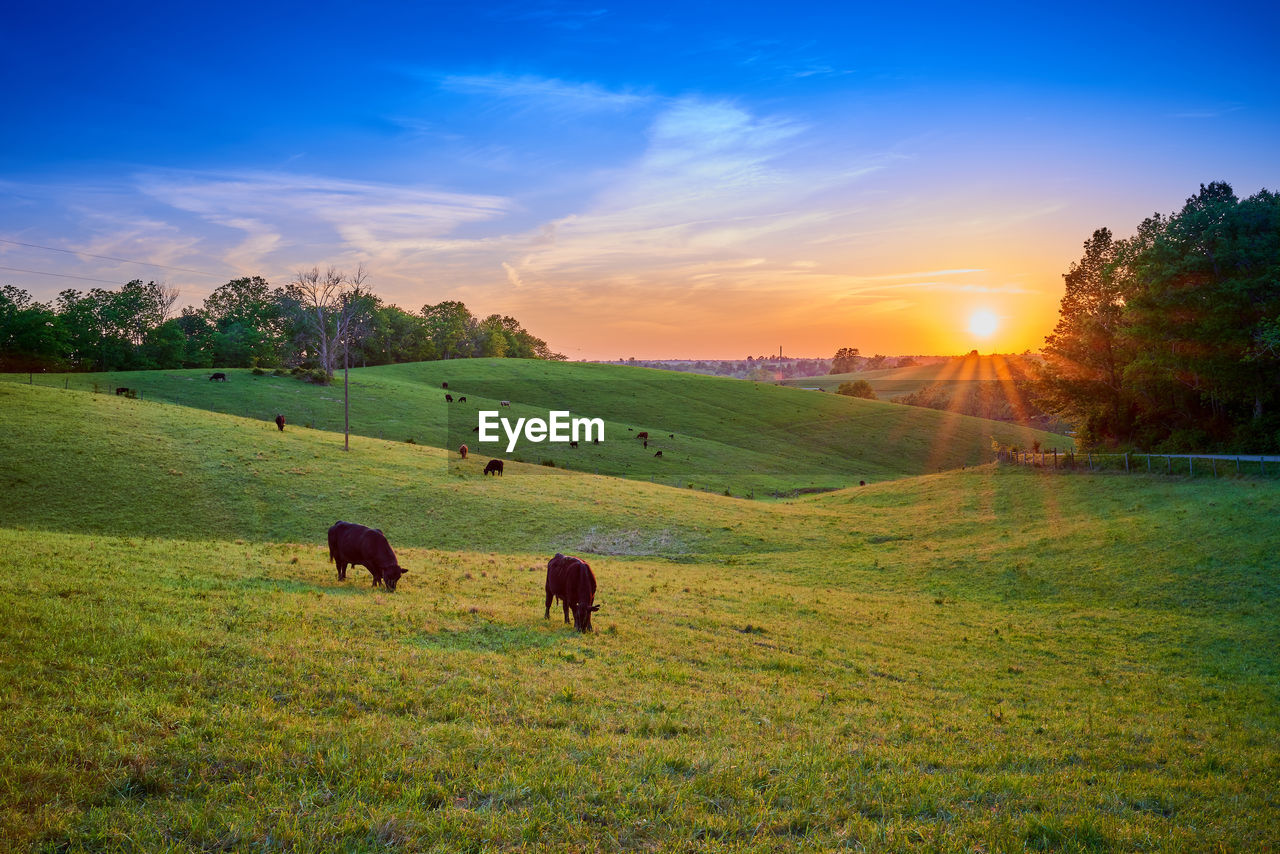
x=569 y=579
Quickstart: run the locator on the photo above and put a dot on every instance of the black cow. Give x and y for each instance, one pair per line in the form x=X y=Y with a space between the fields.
x=448 y=398
x=643 y=434
x=280 y=422
x=573 y=444
x=571 y=580
x=658 y=454
x=353 y=544
x=494 y=467
x=462 y=400
x=444 y=385
x=219 y=376
x=121 y=390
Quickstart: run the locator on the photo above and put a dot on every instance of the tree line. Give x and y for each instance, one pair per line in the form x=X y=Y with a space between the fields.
x=315 y=322
x=1170 y=340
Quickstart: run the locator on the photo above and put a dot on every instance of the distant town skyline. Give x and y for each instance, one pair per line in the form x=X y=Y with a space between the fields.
x=705 y=181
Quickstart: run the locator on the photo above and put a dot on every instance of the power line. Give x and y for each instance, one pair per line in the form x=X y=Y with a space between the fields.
x=61 y=275
x=103 y=257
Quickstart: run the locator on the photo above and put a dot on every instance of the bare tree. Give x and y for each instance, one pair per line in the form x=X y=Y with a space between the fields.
x=328 y=307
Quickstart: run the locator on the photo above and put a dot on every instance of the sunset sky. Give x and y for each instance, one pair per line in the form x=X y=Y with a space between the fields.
x=695 y=180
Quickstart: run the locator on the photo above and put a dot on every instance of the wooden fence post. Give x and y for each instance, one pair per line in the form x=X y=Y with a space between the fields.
x=1191 y=464
x=1090 y=456
x=1126 y=461
x=1169 y=460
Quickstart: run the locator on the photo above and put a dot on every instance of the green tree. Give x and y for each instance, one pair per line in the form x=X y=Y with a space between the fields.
x=450 y=326
x=1082 y=380
x=31 y=337
x=1167 y=340
x=857 y=388
x=248 y=316
x=845 y=361
x=1205 y=289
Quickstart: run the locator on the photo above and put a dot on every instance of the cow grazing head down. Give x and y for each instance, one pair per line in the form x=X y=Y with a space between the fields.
x=571 y=580
x=352 y=544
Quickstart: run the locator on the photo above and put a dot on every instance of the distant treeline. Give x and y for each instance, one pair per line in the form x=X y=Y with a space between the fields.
x=1170 y=340
x=244 y=323
x=768 y=368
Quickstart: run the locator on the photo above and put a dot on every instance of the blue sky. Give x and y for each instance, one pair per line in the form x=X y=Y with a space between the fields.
x=694 y=180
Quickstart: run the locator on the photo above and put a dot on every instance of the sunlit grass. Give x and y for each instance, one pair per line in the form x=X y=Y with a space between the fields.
x=715 y=433
x=976 y=660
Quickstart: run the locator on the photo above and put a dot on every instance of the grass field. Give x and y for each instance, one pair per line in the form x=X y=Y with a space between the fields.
x=714 y=433
x=891 y=383
x=976 y=660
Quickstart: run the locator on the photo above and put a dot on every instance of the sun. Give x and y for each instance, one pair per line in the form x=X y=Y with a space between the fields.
x=983 y=322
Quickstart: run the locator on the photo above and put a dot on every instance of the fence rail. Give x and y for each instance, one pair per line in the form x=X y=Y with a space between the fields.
x=1192 y=465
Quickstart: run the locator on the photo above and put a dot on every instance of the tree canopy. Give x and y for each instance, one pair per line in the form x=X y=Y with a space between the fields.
x=246 y=323
x=1168 y=340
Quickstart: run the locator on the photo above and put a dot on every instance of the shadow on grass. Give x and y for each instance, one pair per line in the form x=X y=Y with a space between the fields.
x=278 y=585
x=489 y=637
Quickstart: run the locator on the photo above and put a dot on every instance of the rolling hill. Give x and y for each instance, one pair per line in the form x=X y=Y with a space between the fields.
x=891 y=383
x=714 y=433
x=978 y=658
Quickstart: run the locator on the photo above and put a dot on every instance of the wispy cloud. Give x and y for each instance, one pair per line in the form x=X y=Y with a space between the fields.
x=544 y=90
x=1208 y=112
x=290 y=213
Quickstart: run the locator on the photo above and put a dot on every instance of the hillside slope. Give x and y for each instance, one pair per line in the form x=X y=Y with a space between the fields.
x=714 y=433
x=975 y=659
x=891 y=383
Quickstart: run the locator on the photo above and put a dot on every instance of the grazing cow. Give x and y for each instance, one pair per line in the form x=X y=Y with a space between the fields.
x=573 y=444
x=643 y=434
x=444 y=385
x=504 y=403
x=658 y=454
x=671 y=435
x=280 y=422
x=646 y=444
x=354 y=544
x=494 y=467
x=595 y=441
x=448 y=398
x=862 y=483
x=570 y=580
x=462 y=400
x=122 y=390
x=219 y=376
x=463 y=451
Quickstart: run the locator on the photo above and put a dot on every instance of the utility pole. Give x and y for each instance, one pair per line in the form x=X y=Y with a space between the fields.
x=346 y=392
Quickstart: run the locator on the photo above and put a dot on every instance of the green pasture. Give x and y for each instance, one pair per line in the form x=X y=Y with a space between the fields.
x=714 y=433
x=891 y=383
x=975 y=660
